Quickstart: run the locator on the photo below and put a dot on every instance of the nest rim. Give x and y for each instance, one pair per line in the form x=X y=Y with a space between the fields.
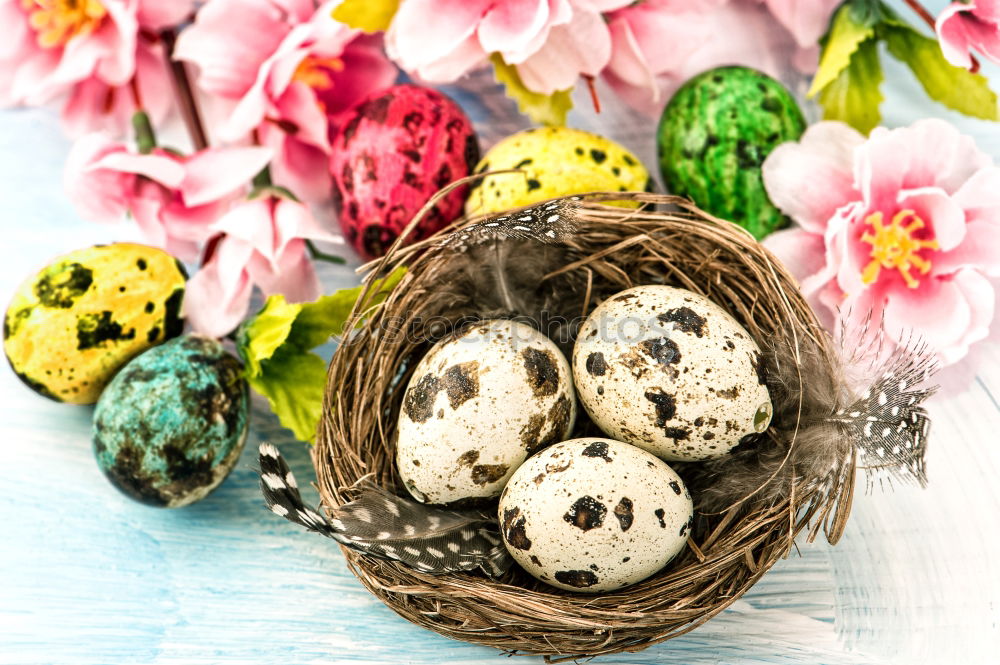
x=733 y=549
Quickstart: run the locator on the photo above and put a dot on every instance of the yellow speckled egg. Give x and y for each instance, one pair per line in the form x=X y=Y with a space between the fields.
x=70 y=327
x=557 y=161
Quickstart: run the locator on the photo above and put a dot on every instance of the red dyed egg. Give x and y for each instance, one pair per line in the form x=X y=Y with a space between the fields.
x=395 y=150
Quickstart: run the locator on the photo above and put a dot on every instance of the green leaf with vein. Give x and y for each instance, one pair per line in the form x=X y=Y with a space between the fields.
x=854 y=96
x=955 y=87
x=544 y=109
x=276 y=347
x=845 y=36
x=366 y=15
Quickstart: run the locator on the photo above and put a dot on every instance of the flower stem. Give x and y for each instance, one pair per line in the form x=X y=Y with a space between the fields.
x=928 y=18
x=319 y=255
x=145 y=137
x=593 y=92
x=185 y=94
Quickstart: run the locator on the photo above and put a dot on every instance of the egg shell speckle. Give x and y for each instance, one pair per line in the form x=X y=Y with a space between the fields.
x=71 y=326
x=395 y=150
x=171 y=425
x=557 y=161
x=670 y=371
x=594 y=515
x=477 y=405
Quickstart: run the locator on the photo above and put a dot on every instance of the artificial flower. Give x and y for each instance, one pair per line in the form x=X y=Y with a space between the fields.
x=970 y=25
x=87 y=52
x=262 y=242
x=288 y=71
x=659 y=44
x=173 y=199
x=903 y=226
x=551 y=42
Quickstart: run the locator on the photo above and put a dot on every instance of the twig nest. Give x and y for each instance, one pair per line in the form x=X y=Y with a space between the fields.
x=479 y=403
x=670 y=371
x=594 y=515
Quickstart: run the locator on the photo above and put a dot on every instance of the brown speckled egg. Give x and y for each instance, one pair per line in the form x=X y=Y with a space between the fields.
x=594 y=515
x=477 y=405
x=670 y=371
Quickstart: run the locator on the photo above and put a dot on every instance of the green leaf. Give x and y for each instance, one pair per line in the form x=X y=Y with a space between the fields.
x=275 y=347
x=293 y=384
x=840 y=44
x=366 y=15
x=854 y=97
x=955 y=87
x=262 y=335
x=544 y=109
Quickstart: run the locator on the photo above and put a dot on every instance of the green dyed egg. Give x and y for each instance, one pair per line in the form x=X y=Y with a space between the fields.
x=171 y=425
x=557 y=161
x=72 y=325
x=713 y=137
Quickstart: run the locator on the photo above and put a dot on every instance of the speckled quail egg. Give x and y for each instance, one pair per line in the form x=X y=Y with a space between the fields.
x=670 y=371
x=477 y=405
x=170 y=426
x=72 y=325
x=556 y=161
x=594 y=515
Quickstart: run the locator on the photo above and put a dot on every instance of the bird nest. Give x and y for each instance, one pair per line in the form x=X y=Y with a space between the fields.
x=736 y=539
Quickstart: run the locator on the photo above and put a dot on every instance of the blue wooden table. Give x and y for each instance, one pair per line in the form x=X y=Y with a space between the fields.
x=89 y=577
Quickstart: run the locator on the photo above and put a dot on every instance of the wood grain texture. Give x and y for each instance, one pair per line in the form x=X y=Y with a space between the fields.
x=87 y=576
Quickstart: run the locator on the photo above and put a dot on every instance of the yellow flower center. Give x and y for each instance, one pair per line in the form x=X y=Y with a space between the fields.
x=316 y=72
x=894 y=247
x=58 y=21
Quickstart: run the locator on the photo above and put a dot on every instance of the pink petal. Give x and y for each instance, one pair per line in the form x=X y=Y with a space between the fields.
x=160 y=14
x=943 y=216
x=802 y=252
x=627 y=62
x=299 y=105
x=806 y=20
x=366 y=69
x=425 y=31
x=301 y=167
x=216 y=172
x=294 y=275
x=164 y=170
x=511 y=26
x=980 y=195
x=251 y=222
x=217 y=298
x=980 y=250
x=810 y=179
x=582 y=46
x=229 y=41
x=466 y=56
x=99 y=195
x=928 y=153
x=294 y=220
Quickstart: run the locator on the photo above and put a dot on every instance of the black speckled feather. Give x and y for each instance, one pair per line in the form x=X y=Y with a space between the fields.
x=380 y=524
x=546 y=223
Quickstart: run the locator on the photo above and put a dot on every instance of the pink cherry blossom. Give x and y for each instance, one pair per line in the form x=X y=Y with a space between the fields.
x=174 y=200
x=551 y=42
x=970 y=25
x=904 y=225
x=84 y=54
x=288 y=71
x=263 y=243
x=659 y=44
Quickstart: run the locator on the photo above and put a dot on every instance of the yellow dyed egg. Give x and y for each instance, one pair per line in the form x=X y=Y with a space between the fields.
x=69 y=328
x=557 y=161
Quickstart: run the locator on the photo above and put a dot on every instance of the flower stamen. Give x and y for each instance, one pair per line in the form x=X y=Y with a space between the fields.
x=317 y=72
x=58 y=21
x=894 y=247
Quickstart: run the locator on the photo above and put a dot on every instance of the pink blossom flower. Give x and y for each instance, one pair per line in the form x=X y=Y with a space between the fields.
x=806 y=20
x=659 y=44
x=174 y=200
x=973 y=24
x=288 y=71
x=86 y=52
x=551 y=42
x=904 y=225
x=264 y=243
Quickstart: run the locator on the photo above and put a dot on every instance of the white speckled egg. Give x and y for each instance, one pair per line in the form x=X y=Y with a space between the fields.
x=670 y=371
x=477 y=405
x=594 y=515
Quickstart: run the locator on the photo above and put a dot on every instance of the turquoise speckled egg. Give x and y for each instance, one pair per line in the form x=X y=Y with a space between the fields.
x=171 y=425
